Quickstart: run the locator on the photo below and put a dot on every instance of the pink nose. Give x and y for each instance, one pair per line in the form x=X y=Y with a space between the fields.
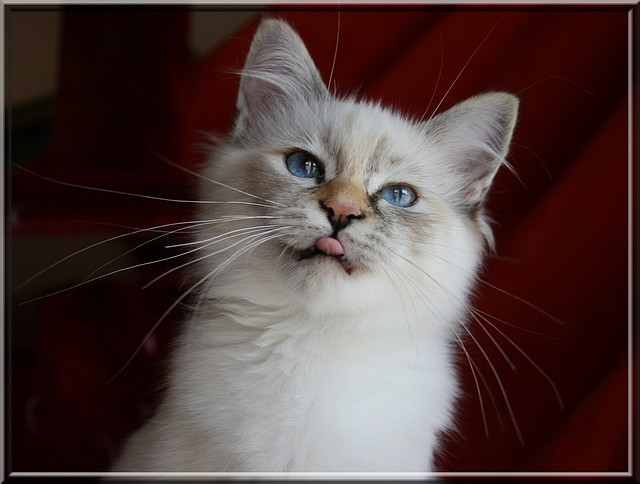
x=341 y=214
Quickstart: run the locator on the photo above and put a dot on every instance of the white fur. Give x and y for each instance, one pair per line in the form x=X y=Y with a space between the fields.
x=300 y=365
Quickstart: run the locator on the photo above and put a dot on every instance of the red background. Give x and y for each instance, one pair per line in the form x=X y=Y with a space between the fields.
x=130 y=95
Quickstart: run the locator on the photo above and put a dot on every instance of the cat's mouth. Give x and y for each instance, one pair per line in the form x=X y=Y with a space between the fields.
x=327 y=247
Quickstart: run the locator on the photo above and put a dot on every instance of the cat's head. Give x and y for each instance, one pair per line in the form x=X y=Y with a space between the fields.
x=348 y=196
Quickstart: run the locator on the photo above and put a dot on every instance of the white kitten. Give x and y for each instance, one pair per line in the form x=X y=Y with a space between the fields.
x=332 y=281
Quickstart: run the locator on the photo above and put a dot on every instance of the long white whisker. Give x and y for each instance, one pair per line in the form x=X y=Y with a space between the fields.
x=153 y=281
x=502 y=389
x=89 y=280
x=220 y=236
x=477 y=319
x=224 y=219
x=537 y=157
x=282 y=252
x=520 y=328
x=335 y=52
x=435 y=88
x=248 y=248
x=556 y=78
x=465 y=66
x=437 y=283
x=494 y=403
x=94 y=245
x=146 y=197
x=523 y=301
x=475 y=379
x=531 y=361
x=224 y=185
x=427 y=303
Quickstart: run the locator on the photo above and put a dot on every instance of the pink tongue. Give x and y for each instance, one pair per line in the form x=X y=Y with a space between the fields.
x=329 y=246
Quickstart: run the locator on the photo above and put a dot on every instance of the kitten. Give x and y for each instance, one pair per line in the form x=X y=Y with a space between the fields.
x=333 y=279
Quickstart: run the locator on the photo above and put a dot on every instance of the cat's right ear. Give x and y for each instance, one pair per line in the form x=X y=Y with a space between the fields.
x=278 y=76
x=475 y=135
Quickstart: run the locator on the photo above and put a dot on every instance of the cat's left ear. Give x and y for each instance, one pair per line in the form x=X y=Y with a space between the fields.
x=278 y=76
x=475 y=136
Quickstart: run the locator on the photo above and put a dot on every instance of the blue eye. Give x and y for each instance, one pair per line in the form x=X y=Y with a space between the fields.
x=303 y=165
x=399 y=195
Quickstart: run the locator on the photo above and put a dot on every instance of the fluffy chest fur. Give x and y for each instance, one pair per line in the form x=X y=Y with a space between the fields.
x=346 y=394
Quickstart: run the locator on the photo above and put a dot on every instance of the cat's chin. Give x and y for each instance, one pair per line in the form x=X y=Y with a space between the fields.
x=314 y=256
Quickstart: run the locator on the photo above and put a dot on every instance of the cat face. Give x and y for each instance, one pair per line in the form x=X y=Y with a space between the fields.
x=345 y=196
